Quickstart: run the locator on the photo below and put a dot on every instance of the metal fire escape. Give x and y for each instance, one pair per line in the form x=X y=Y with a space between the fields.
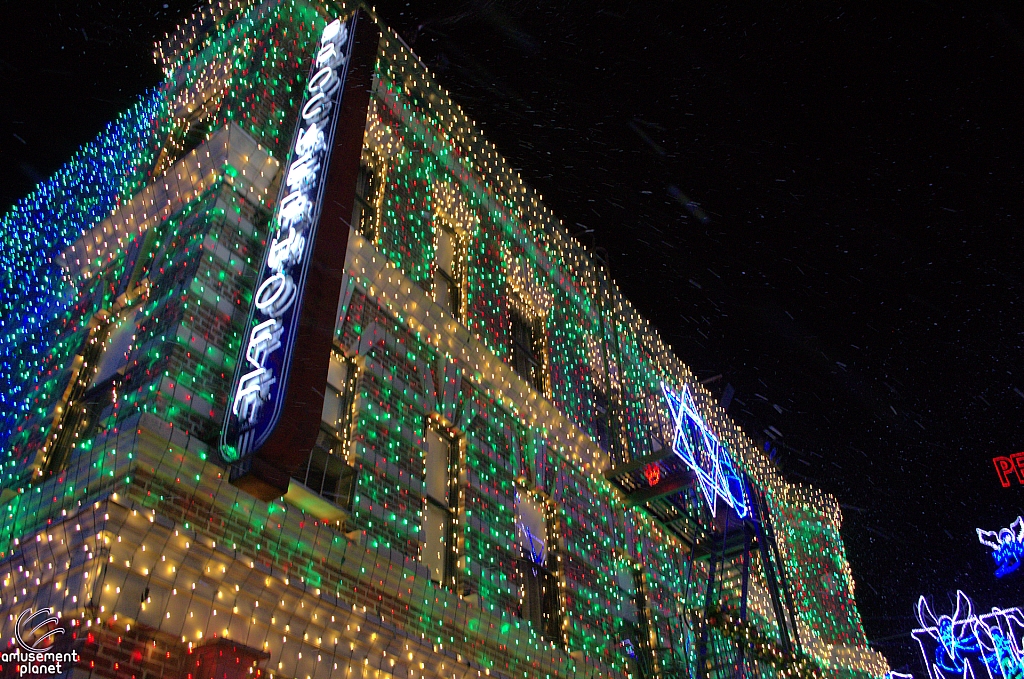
x=711 y=636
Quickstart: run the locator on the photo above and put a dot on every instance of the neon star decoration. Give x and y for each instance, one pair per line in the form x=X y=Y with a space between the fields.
x=966 y=645
x=1007 y=546
x=703 y=452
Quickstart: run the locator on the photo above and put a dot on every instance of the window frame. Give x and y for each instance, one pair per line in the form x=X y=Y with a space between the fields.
x=335 y=439
x=367 y=207
x=451 y=510
x=345 y=483
x=540 y=590
x=534 y=355
x=86 y=396
x=454 y=279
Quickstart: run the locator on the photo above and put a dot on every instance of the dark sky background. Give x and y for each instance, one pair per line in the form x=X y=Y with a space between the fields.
x=820 y=202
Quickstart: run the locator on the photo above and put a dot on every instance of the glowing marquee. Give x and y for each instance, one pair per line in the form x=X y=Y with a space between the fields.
x=1007 y=465
x=696 y=445
x=965 y=644
x=1007 y=546
x=262 y=375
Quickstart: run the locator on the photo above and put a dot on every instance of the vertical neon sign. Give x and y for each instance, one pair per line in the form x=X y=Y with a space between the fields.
x=274 y=409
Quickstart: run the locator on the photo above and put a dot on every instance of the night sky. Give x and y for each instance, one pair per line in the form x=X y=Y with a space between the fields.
x=819 y=204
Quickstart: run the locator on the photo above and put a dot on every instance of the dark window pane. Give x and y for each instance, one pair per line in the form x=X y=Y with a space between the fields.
x=446 y=294
x=326 y=472
x=446 y=252
x=526 y=360
x=539 y=593
x=363 y=211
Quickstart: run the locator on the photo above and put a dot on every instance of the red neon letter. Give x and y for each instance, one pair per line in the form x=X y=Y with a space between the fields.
x=1004 y=467
x=1018 y=463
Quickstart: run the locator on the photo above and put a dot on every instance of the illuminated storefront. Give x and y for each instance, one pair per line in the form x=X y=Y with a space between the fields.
x=309 y=383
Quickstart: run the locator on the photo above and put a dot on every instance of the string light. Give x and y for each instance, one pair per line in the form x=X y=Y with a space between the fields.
x=147 y=547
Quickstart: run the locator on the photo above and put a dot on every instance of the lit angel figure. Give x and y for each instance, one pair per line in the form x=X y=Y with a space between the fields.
x=1004 y=656
x=964 y=640
x=955 y=634
x=1007 y=546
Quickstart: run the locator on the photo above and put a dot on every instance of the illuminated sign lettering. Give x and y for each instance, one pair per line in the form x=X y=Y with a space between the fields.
x=1007 y=465
x=1007 y=546
x=696 y=445
x=965 y=644
x=260 y=382
x=277 y=395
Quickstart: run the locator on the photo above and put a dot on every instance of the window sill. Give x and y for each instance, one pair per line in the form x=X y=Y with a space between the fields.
x=313 y=504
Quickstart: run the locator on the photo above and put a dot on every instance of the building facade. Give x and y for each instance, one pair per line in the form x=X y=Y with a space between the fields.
x=497 y=468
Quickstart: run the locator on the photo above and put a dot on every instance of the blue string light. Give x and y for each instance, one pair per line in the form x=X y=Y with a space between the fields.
x=34 y=296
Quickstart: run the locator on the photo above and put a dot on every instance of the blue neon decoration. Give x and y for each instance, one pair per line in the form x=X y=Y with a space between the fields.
x=703 y=452
x=537 y=546
x=33 y=293
x=1007 y=546
x=962 y=644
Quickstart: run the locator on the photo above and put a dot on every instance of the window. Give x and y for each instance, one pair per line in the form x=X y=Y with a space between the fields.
x=336 y=393
x=538 y=587
x=634 y=624
x=439 y=548
x=80 y=420
x=527 y=349
x=327 y=472
x=194 y=127
x=600 y=423
x=437 y=527
x=447 y=289
x=197 y=130
x=364 y=211
x=103 y=359
x=625 y=577
x=115 y=348
x=531 y=529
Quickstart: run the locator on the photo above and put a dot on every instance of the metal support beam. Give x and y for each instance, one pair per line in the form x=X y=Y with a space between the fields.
x=667 y=486
x=637 y=464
